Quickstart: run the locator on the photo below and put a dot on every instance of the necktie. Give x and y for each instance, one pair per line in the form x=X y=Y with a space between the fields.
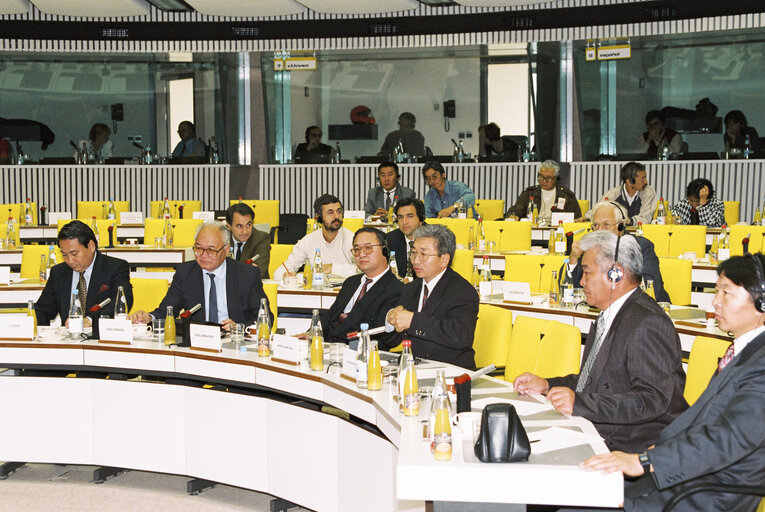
x=726 y=358
x=362 y=292
x=212 y=303
x=82 y=287
x=424 y=296
x=584 y=375
x=387 y=201
x=238 y=251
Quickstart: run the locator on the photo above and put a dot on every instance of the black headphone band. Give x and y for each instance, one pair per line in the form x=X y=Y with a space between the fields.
x=759 y=302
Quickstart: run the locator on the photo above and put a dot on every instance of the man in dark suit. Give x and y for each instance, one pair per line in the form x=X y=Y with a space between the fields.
x=548 y=196
x=388 y=192
x=229 y=291
x=438 y=310
x=720 y=440
x=631 y=382
x=96 y=275
x=365 y=297
x=410 y=215
x=251 y=246
x=611 y=216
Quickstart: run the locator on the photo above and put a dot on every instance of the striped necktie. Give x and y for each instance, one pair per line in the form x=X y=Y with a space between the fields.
x=726 y=358
x=424 y=296
x=584 y=375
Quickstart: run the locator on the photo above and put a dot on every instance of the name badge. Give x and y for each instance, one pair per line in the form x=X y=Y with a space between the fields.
x=205 y=337
x=561 y=203
x=115 y=329
x=14 y=327
x=518 y=292
x=206 y=216
x=131 y=218
x=349 y=363
x=286 y=348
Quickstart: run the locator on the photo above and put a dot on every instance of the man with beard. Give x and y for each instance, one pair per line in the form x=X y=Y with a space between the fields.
x=333 y=241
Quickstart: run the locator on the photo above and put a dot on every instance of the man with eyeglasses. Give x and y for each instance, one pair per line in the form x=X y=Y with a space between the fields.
x=412 y=141
x=611 y=216
x=445 y=197
x=312 y=151
x=657 y=136
x=189 y=144
x=365 y=297
x=228 y=290
x=410 y=215
x=438 y=310
x=548 y=196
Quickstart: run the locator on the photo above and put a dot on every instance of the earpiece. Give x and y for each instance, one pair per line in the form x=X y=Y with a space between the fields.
x=759 y=302
x=615 y=274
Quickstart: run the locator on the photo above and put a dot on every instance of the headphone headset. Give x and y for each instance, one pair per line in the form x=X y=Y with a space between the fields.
x=759 y=302
x=317 y=214
x=615 y=274
x=380 y=238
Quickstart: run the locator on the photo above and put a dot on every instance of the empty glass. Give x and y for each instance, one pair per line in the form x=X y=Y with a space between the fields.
x=158 y=328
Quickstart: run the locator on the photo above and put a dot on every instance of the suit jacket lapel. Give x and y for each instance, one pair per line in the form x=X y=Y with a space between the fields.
x=197 y=277
x=96 y=279
x=65 y=297
x=436 y=295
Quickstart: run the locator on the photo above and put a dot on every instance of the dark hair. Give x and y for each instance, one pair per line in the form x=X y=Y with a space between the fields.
x=436 y=166
x=736 y=115
x=630 y=170
x=693 y=188
x=491 y=131
x=409 y=116
x=79 y=230
x=96 y=130
x=190 y=125
x=419 y=207
x=743 y=271
x=322 y=200
x=241 y=209
x=654 y=114
x=308 y=131
x=381 y=238
x=388 y=164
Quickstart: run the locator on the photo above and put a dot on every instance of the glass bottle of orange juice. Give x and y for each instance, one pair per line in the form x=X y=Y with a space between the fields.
x=374 y=370
x=31 y=312
x=411 y=392
x=316 y=348
x=649 y=289
x=442 y=438
x=169 y=326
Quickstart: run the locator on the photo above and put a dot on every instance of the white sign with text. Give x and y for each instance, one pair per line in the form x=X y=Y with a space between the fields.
x=286 y=348
x=113 y=329
x=17 y=327
x=131 y=218
x=206 y=337
x=518 y=292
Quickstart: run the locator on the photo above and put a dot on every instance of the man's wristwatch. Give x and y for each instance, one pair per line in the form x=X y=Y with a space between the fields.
x=643 y=457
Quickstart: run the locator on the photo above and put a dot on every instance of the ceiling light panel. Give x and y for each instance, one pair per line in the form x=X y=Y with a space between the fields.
x=93 y=8
x=14 y=6
x=246 y=8
x=359 y=6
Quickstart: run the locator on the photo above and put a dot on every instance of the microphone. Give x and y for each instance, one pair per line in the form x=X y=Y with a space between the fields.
x=569 y=242
x=745 y=243
x=110 y=229
x=252 y=260
x=138 y=146
x=101 y=305
x=695 y=217
x=188 y=313
x=355 y=334
x=74 y=145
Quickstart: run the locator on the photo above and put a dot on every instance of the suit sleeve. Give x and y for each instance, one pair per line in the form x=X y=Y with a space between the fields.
x=519 y=208
x=121 y=277
x=264 y=249
x=575 y=206
x=454 y=327
x=47 y=307
x=652 y=271
x=369 y=207
x=174 y=297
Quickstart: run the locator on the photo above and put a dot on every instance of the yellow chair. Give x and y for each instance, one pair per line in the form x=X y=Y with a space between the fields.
x=103 y=229
x=549 y=263
x=756 y=239
x=460 y=228
x=16 y=210
x=702 y=365
x=732 y=212
x=584 y=205
x=676 y=274
x=266 y=211
x=524 y=268
x=492 y=335
x=463 y=263
x=270 y=289
x=515 y=236
x=672 y=240
x=279 y=254
x=189 y=207
x=30 y=259
x=353 y=224
x=573 y=227
x=183 y=231
x=4 y=234
x=99 y=209
x=490 y=209
x=544 y=347
x=148 y=293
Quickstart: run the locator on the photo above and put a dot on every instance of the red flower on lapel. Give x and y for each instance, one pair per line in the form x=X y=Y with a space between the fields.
x=104 y=288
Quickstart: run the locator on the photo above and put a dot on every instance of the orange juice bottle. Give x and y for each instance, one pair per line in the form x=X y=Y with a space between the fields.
x=649 y=289
x=31 y=312
x=316 y=349
x=411 y=392
x=169 y=326
x=442 y=438
x=374 y=370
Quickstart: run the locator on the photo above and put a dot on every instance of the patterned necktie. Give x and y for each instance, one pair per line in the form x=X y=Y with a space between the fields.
x=82 y=287
x=424 y=296
x=362 y=292
x=584 y=375
x=238 y=251
x=726 y=358
x=212 y=303
x=387 y=201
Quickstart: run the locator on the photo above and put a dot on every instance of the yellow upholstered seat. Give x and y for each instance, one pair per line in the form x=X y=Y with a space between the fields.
x=189 y=207
x=732 y=212
x=549 y=263
x=183 y=231
x=515 y=236
x=270 y=289
x=99 y=209
x=573 y=227
x=279 y=254
x=756 y=240
x=463 y=263
x=4 y=234
x=490 y=209
x=148 y=293
x=676 y=274
x=460 y=228
x=30 y=259
x=16 y=210
x=672 y=240
x=584 y=205
x=103 y=229
x=353 y=224
x=702 y=364
x=492 y=335
x=544 y=347
x=524 y=268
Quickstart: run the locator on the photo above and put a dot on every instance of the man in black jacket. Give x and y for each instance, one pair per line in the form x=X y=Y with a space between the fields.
x=410 y=215
x=548 y=196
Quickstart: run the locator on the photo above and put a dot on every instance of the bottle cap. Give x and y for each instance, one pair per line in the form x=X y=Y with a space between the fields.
x=364 y=327
x=407 y=343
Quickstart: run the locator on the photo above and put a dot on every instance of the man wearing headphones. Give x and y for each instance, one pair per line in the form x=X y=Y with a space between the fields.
x=611 y=216
x=410 y=215
x=365 y=297
x=631 y=382
x=388 y=192
x=312 y=151
x=635 y=194
x=333 y=240
x=548 y=196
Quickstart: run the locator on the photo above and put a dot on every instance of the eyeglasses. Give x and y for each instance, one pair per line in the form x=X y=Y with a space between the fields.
x=198 y=251
x=366 y=249
x=546 y=178
x=413 y=255
x=433 y=177
x=605 y=225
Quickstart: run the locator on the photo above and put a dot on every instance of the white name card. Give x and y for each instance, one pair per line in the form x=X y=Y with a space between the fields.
x=349 y=363
x=205 y=337
x=286 y=348
x=518 y=292
x=17 y=327
x=484 y=288
x=206 y=216
x=131 y=218
x=113 y=329
x=53 y=217
x=561 y=216
x=5 y=275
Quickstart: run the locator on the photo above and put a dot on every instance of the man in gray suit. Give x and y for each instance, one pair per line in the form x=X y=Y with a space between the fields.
x=388 y=192
x=720 y=440
x=631 y=382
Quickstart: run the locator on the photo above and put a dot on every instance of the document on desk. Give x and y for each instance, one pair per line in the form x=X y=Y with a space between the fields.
x=522 y=407
x=557 y=438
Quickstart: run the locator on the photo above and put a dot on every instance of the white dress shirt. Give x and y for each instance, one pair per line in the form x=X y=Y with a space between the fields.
x=337 y=252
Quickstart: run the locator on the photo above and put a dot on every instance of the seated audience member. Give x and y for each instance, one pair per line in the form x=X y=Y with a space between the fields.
x=333 y=240
x=631 y=382
x=189 y=144
x=250 y=245
x=228 y=290
x=495 y=147
x=96 y=276
x=312 y=151
x=365 y=297
x=444 y=197
x=412 y=141
x=98 y=147
x=700 y=206
x=388 y=192
x=658 y=136
x=549 y=197
x=438 y=310
x=410 y=215
x=634 y=193
x=720 y=439
x=736 y=131
x=610 y=216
